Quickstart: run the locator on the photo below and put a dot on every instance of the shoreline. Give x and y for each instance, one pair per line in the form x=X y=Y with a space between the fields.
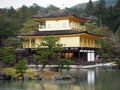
x=111 y=64
x=47 y=74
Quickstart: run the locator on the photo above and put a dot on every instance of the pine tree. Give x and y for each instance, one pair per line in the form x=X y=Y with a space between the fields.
x=48 y=51
x=100 y=10
x=117 y=14
x=90 y=8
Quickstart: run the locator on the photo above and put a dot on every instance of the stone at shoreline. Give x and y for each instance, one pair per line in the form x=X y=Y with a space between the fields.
x=5 y=77
x=63 y=76
x=37 y=76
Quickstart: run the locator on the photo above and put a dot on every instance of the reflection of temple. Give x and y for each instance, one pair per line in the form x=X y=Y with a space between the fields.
x=78 y=44
x=91 y=77
x=86 y=79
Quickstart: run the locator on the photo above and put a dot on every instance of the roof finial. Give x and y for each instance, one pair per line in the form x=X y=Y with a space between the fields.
x=62 y=6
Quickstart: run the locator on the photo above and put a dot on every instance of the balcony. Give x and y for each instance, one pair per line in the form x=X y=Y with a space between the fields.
x=28 y=45
x=90 y=45
x=81 y=28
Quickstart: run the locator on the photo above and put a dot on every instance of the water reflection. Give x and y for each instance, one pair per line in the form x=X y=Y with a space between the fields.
x=85 y=80
x=91 y=77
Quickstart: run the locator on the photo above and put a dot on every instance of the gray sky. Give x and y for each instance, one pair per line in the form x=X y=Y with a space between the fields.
x=44 y=3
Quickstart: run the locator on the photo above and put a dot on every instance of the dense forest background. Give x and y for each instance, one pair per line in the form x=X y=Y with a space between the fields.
x=105 y=16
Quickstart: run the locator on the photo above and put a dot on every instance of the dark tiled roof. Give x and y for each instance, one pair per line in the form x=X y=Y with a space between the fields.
x=54 y=32
x=59 y=13
x=57 y=32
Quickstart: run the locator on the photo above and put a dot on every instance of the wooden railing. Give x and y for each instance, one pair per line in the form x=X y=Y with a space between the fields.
x=28 y=45
x=90 y=45
x=81 y=28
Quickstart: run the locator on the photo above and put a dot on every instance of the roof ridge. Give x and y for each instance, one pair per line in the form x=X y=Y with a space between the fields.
x=58 y=13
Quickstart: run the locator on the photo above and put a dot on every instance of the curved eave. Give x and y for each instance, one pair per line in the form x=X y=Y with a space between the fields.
x=62 y=33
x=90 y=35
x=70 y=17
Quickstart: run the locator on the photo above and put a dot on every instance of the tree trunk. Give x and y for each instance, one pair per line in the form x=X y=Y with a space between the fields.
x=43 y=66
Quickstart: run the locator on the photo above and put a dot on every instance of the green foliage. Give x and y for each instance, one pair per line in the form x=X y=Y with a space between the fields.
x=24 y=14
x=92 y=27
x=64 y=64
x=77 y=11
x=8 y=55
x=106 y=46
x=117 y=62
x=13 y=42
x=51 y=8
x=9 y=59
x=21 y=67
x=105 y=57
x=1 y=55
x=90 y=8
x=30 y=26
x=48 y=51
x=116 y=41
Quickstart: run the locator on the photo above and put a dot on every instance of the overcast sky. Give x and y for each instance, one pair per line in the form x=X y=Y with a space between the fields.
x=44 y=3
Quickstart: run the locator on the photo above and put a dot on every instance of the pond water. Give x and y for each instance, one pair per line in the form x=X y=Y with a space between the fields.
x=85 y=80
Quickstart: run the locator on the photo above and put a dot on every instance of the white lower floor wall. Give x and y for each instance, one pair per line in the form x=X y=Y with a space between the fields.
x=90 y=55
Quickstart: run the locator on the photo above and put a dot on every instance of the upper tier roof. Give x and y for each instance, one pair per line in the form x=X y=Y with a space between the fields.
x=59 y=13
x=60 y=32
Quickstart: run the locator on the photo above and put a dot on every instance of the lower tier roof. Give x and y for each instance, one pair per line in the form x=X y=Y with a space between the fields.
x=58 y=32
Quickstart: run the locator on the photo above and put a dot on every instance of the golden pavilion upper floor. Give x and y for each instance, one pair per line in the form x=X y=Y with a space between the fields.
x=68 y=38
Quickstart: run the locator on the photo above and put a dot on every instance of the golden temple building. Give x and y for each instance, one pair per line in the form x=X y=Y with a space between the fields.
x=78 y=44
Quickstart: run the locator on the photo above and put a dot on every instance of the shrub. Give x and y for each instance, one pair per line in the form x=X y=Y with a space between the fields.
x=64 y=64
x=118 y=63
x=105 y=57
x=21 y=67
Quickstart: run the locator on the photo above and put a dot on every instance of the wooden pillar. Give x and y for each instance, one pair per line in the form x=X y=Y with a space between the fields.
x=79 y=55
x=30 y=44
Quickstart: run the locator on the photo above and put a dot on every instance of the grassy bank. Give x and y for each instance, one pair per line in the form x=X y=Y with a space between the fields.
x=30 y=73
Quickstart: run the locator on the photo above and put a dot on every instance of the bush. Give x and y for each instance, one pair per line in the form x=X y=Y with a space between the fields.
x=64 y=64
x=118 y=63
x=105 y=57
x=21 y=67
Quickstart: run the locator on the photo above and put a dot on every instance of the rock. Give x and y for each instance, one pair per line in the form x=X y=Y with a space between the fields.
x=55 y=69
x=5 y=77
x=63 y=76
x=2 y=76
x=37 y=76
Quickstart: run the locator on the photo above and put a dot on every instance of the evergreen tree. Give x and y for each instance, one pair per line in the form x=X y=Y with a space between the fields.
x=35 y=8
x=24 y=14
x=21 y=68
x=116 y=44
x=102 y=6
x=89 y=8
x=100 y=12
x=51 y=8
x=117 y=15
x=110 y=18
x=30 y=26
x=1 y=28
x=8 y=55
x=48 y=51
x=9 y=24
